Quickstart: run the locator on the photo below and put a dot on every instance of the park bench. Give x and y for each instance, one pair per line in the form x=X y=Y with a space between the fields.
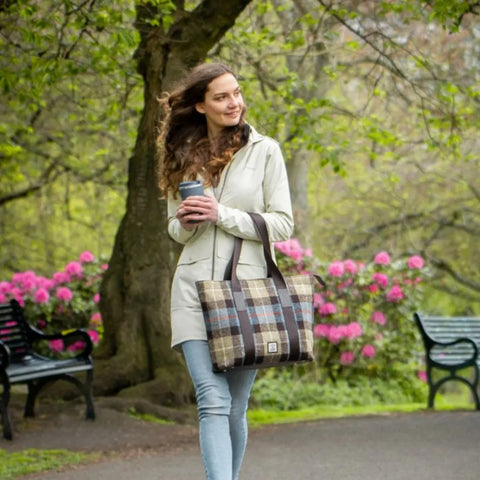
x=451 y=346
x=21 y=363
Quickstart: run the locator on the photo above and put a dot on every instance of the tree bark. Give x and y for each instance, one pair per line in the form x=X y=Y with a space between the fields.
x=135 y=294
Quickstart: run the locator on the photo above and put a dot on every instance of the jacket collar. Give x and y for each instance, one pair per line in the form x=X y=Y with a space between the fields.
x=254 y=136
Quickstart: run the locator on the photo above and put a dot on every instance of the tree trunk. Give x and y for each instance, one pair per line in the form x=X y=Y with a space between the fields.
x=135 y=294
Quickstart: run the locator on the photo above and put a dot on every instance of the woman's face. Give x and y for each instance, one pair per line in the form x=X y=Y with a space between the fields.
x=223 y=103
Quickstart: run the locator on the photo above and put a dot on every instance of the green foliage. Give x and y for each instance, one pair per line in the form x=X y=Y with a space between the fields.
x=16 y=464
x=281 y=389
x=70 y=101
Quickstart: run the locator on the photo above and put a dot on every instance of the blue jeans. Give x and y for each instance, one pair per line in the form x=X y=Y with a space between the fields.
x=222 y=402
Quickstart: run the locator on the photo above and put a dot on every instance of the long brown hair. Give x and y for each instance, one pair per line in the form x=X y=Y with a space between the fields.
x=187 y=150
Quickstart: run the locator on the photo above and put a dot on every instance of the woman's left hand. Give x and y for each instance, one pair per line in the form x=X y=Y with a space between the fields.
x=198 y=208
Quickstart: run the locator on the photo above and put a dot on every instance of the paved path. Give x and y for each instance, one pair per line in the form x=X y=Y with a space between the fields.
x=417 y=446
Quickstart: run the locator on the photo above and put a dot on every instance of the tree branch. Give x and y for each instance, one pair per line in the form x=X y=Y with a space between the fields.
x=47 y=177
x=446 y=267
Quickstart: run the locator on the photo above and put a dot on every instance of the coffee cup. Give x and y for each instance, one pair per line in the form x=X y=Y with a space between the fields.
x=187 y=189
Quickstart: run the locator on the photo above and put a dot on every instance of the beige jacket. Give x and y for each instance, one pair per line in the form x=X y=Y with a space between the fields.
x=254 y=181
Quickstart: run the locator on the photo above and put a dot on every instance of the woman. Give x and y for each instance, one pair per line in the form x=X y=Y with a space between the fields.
x=206 y=137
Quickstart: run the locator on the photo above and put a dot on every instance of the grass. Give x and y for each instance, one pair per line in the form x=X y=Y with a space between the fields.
x=448 y=401
x=16 y=464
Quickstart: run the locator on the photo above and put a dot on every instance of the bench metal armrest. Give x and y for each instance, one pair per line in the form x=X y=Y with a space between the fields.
x=37 y=335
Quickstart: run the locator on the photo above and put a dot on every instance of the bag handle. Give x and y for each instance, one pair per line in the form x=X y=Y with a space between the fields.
x=272 y=268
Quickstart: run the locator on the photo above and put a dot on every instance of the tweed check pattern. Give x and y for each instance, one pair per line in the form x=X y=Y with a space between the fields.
x=271 y=335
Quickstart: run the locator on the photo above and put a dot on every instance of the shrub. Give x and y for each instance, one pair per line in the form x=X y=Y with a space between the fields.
x=69 y=299
x=363 y=314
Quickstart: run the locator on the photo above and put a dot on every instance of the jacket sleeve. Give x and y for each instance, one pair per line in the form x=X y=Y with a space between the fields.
x=277 y=208
x=175 y=229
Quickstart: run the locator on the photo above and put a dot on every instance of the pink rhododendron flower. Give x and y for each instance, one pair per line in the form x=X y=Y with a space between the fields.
x=96 y=319
x=104 y=266
x=307 y=252
x=347 y=358
x=96 y=298
x=334 y=334
x=74 y=269
x=382 y=258
x=41 y=296
x=327 y=309
x=373 y=288
x=56 y=345
x=3 y=298
x=60 y=277
x=415 y=262
x=336 y=269
x=64 y=294
x=46 y=283
x=317 y=300
x=368 y=351
x=321 y=330
x=291 y=248
x=76 y=346
x=26 y=281
x=353 y=330
x=350 y=266
x=378 y=317
x=381 y=279
x=5 y=287
x=86 y=257
x=94 y=336
x=422 y=375
x=395 y=294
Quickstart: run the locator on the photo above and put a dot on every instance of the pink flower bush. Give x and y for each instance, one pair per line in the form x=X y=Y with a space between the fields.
x=360 y=313
x=67 y=300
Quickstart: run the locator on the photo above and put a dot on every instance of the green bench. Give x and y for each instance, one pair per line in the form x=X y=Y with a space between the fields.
x=20 y=362
x=452 y=345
